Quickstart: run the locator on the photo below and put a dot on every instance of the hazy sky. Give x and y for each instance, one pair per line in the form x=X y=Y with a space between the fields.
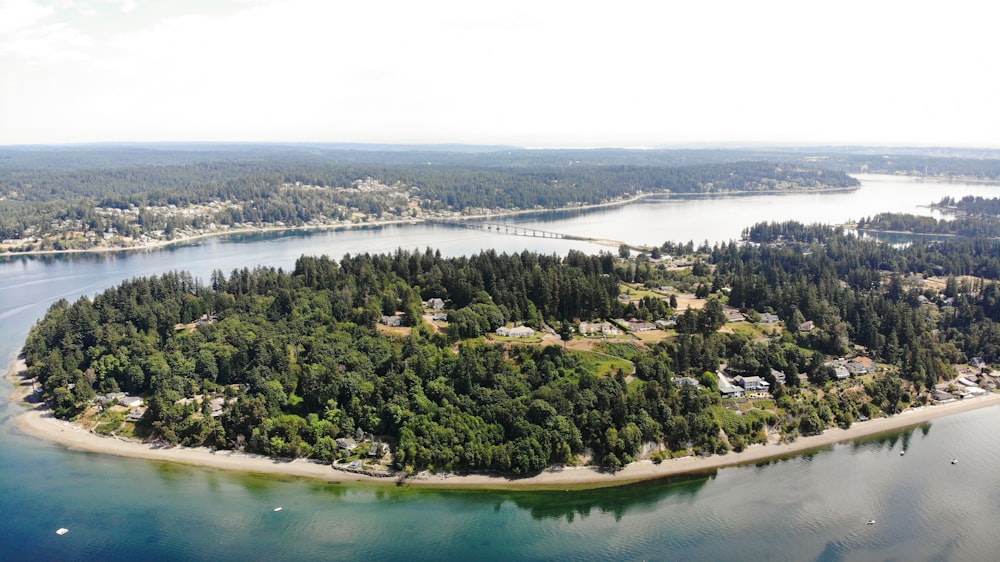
x=530 y=73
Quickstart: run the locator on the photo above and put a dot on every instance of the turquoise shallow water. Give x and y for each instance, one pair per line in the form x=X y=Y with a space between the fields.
x=809 y=507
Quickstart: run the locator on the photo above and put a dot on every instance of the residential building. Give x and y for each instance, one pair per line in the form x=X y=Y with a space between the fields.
x=515 y=332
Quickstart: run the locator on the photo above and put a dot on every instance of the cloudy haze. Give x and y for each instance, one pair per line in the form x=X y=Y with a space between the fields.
x=530 y=73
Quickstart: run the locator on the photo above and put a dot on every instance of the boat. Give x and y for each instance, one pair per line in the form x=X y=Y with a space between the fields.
x=277 y=509
x=62 y=531
x=954 y=461
x=903 y=452
x=870 y=522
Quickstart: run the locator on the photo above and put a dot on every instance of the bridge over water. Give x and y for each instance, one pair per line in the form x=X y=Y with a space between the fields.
x=515 y=230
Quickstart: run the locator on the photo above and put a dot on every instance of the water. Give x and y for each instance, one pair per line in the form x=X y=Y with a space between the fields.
x=807 y=507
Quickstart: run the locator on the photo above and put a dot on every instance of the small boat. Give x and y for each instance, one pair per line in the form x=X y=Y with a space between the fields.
x=954 y=461
x=870 y=522
x=62 y=531
x=903 y=452
x=277 y=509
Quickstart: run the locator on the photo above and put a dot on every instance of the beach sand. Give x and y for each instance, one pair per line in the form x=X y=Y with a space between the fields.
x=38 y=421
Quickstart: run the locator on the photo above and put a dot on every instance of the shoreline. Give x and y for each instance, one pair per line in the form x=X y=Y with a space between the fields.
x=160 y=244
x=38 y=422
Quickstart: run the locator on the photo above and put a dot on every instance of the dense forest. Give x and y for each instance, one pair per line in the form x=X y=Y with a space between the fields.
x=900 y=222
x=298 y=359
x=971 y=205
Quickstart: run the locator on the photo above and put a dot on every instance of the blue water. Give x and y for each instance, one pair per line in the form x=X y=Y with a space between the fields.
x=808 y=507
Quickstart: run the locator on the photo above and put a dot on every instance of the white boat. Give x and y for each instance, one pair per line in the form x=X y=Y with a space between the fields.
x=62 y=531
x=903 y=452
x=870 y=522
x=277 y=509
x=954 y=461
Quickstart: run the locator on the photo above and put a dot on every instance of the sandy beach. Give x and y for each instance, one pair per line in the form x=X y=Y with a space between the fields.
x=38 y=421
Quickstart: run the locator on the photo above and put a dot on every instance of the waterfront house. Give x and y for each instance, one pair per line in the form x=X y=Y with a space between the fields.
x=347 y=443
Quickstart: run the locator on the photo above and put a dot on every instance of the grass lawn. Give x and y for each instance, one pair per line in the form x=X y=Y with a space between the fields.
x=601 y=364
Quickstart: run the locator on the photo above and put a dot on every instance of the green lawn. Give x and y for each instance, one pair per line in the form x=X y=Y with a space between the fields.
x=600 y=364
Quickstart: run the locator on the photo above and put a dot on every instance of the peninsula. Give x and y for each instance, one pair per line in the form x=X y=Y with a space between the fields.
x=410 y=362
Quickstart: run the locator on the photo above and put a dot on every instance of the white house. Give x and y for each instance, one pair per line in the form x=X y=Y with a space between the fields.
x=751 y=384
x=515 y=332
x=603 y=328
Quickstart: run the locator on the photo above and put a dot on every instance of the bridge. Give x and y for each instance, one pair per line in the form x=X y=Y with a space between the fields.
x=511 y=229
x=515 y=230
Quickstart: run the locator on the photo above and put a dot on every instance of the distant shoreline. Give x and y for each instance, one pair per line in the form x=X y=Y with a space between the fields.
x=39 y=422
x=160 y=244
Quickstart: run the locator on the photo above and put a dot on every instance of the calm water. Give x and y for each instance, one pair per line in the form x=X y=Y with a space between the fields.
x=810 y=507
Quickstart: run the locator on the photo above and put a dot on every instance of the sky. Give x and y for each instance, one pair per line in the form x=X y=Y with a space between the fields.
x=532 y=73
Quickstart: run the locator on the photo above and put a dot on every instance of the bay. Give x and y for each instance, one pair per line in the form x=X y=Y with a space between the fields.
x=810 y=506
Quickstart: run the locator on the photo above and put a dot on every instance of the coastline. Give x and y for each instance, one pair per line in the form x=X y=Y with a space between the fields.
x=38 y=422
x=160 y=244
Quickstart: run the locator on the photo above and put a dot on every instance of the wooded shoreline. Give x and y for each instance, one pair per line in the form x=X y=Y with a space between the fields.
x=39 y=422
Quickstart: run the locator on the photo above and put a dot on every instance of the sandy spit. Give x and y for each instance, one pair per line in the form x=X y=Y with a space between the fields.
x=38 y=421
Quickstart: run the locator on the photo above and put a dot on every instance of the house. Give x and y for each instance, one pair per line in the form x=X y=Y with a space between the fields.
x=778 y=375
x=666 y=324
x=347 y=443
x=687 y=381
x=516 y=332
x=855 y=369
x=394 y=320
x=728 y=389
x=435 y=304
x=130 y=401
x=840 y=372
x=733 y=315
x=751 y=384
x=624 y=298
x=768 y=318
x=135 y=414
x=439 y=317
x=807 y=326
x=216 y=405
x=602 y=328
x=865 y=362
x=640 y=326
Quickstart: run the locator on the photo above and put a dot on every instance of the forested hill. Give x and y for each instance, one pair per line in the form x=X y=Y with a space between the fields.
x=81 y=198
x=286 y=363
